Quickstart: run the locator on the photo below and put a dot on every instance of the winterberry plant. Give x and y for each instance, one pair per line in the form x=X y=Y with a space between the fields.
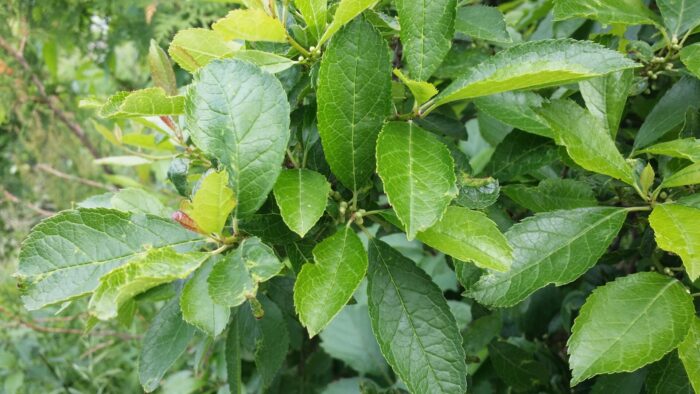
x=424 y=196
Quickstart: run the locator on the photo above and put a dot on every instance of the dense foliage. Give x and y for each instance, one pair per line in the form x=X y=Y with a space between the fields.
x=432 y=197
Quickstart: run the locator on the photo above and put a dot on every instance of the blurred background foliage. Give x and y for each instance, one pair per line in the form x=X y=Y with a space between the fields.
x=53 y=54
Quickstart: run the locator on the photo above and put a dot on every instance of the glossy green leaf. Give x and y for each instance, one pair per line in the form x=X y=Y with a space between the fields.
x=418 y=175
x=519 y=369
x=192 y=49
x=237 y=276
x=161 y=69
x=413 y=325
x=354 y=97
x=629 y=12
x=266 y=61
x=687 y=176
x=301 y=196
x=629 y=323
x=421 y=91
x=323 y=288
x=552 y=194
x=156 y=267
x=250 y=25
x=687 y=148
x=690 y=56
x=606 y=97
x=347 y=10
x=477 y=193
x=669 y=113
x=198 y=308
x=586 y=140
x=314 y=13
x=519 y=154
x=139 y=103
x=165 y=341
x=533 y=65
x=679 y=15
x=349 y=338
x=516 y=109
x=689 y=353
x=482 y=23
x=239 y=115
x=469 y=236
x=554 y=247
x=212 y=203
x=668 y=377
x=677 y=231
x=427 y=28
x=59 y=260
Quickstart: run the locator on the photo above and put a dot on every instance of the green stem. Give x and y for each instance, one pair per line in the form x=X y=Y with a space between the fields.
x=298 y=46
x=638 y=209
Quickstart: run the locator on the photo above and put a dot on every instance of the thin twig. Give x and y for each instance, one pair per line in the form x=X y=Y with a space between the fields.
x=51 y=103
x=88 y=182
x=12 y=198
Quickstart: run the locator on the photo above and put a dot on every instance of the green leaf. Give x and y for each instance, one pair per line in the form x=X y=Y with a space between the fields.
x=314 y=14
x=606 y=97
x=677 y=231
x=520 y=154
x=265 y=60
x=127 y=200
x=59 y=261
x=198 y=308
x=413 y=325
x=250 y=25
x=679 y=15
x=554 y=247
x=669 y=113
x=144 y=102
x=302 y=196
x=165 y=341
x=418 y=174
x=236 y=277
x=668 y=377
x=689 y=353
x=518 y=368
x=477 y=193
x=586 y=140
x=628 y=12
x=233 y=356
x=690 y=56
x=239 y=115
x=687 y=148
x=469 y=236
x=427 y=28
x=322 y=289
x=212 y=203
x=534 y=65
x=629 y=323
x=687 y=176
x=516 y=109
x=552 y=194
x=621 y=383
x=192 y=49
x=156 y=267
x=161 y=69
x=354 y=97
x=347 y=10
x=349 y=338
x=482 y=23
x=269 y=336
x=421 y=91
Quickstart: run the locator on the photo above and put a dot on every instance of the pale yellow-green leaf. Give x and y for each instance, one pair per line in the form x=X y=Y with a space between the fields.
x=422 y=91
x=194 y=48
x=687 y=148
x=314 y=13
x=212 y=203
x=158 y=266
x=677 y=230
x=347 y=10
x=687 y=176
x=250 y=25
x=145 y=102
